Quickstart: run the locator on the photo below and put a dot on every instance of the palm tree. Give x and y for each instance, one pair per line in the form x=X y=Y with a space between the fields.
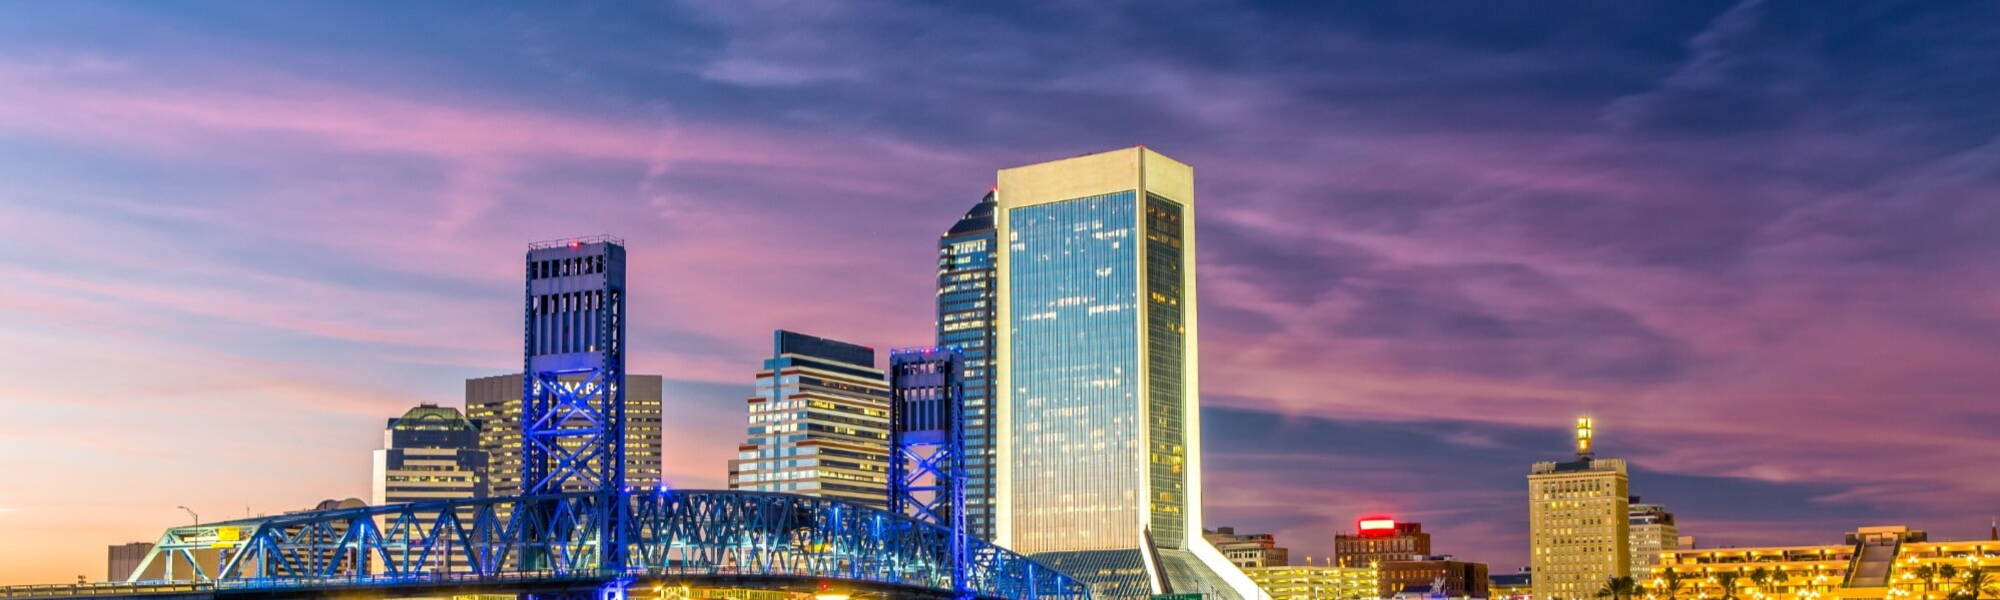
x=1620 y=588
x=1760 y=576
x=1670 y=583
x=1976 y=582
x=1727 y=580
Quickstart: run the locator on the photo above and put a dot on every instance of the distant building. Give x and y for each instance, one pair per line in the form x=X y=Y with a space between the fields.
x=1511 y=586
x=967 y=296
x=1890 y=561
x=124 y=560
x=1578 y=532
x=819 y=423
x=1378 y=540
x=429 y=453
x=1250 y=549
x=1316 y=583
x=1459 y=579
x=1652 y=531
x=1685 y=542
x=496 y=403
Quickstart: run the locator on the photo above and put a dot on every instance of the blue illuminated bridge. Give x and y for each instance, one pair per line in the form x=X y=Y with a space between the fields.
x=550 y=546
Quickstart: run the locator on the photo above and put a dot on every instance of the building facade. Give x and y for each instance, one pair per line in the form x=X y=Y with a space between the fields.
x=429 y=453
x=1511 y=586
x=1316 y=583
x=1652 y=532
x=1249 y=549
x=124 y=559
x=1579 y=533
x=1879 y=562
x=1433 y=575
x=1378 y=540
x=1098 y=423
x=819 y=423
x=966 y=290
x=495 y=402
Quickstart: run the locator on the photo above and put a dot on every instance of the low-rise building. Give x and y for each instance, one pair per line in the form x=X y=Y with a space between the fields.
x=1380 y=539
x=1432 y=576
x=1883 y=562
x=1511 y=586
x=1249 y=550
x=1316 y=582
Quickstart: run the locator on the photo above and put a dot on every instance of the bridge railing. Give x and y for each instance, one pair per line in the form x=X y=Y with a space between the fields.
x=562 y=536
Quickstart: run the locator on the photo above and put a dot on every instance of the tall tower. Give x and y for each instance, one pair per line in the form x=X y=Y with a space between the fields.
x=1099 y=429
x=819 y=423
x=927 y=445
x=1578 y=511
x=572 y=382
x=966 y=301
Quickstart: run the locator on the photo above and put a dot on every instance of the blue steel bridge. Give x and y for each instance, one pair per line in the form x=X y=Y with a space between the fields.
x=552 y=546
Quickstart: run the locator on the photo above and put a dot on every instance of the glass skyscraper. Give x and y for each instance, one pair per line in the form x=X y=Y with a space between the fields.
x=1098 y=433
x=965 y=305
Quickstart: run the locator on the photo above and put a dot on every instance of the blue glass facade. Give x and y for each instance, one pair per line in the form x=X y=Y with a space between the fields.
x=966 y=319
x=1076 y=421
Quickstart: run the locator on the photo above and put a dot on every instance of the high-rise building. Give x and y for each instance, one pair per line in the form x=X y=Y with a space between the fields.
x=1579 y=536
x=1316 y=582
x=965 y=318
x=123 y=559
x=496 y=403
x=1098 y=426
x=1652 y=531
x=429 y=453
x=1249 y=549
x=819 y=423
x=1429 y=576
x=1378 y=540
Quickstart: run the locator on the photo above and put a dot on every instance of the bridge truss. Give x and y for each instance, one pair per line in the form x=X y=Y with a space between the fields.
x=557 y=536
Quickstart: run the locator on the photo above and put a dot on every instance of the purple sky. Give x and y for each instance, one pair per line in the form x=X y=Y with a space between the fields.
x=1757 y=240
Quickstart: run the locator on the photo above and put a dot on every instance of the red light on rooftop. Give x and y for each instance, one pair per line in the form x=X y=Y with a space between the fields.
x=573 y=244
x=1372 y=526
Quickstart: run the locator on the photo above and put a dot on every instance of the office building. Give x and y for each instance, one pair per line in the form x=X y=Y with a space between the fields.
x=1315 y=582
x=1652 y=531
x=1098 y=426
x=965 y=319
x=1887 y=561
x=124 y=559
x=1249 y=549
x=1380 y=539
x=1431 y=576
x=429 y=453
x=495 y=402
x=1579 y=536
x=819 y=423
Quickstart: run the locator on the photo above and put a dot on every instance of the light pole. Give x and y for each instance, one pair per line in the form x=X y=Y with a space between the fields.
x=190 y=511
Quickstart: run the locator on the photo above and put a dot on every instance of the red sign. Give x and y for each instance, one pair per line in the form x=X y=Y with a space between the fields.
x=1373 y=526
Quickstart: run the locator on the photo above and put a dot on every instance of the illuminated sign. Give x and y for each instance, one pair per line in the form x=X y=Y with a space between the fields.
x=1376 y=526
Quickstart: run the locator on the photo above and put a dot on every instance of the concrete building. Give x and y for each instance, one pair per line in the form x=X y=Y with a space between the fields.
x=1315 y=582
x=1652 y=531
x=1871 y=563
x=123 y=559
x=1378 y=540
x=1250 y=549
x=496 y=403
x=1511 y=586
x=966 y=301
x=819 y=423
x=1579 y=533
x=1099 y=430
x=429 y=453
x=1430 y=576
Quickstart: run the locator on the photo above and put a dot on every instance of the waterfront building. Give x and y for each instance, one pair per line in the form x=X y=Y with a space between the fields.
x=1879 y=562
x=1249 y=549
x=123 y=559
x=429 y=453
x=1098 y=426
x=819 y=423
x=966 y=302
x=1380 y=539
x=1307 y=582
x=1579 y=533
x=1511 y=586
x=1652 y=531
x=1430 y=576
x=495 y=402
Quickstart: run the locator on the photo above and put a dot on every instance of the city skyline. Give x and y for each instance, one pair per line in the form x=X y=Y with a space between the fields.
x=258 y=227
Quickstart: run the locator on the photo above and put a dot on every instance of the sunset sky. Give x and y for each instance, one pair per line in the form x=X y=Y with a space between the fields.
x=1758 y=241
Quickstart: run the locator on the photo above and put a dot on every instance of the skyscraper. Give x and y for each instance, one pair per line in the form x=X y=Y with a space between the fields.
x=1652 y=532
x=819 y=423
x=429 y=453
x=495 y=402
x=1579 y=536
x=965 y=318
x=1098 y=424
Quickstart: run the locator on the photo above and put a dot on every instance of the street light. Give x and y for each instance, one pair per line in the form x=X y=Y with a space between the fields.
x=190 y=511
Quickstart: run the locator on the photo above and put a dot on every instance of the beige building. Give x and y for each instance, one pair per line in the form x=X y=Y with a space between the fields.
x=496 y=403
x=1578 y=511
x=1316 y=582
x=1652 y=532
x=1890 y=562
x=819 y=423
x=1249 y=549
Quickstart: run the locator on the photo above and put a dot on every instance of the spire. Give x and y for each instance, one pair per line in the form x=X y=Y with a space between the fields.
x=1583 y=447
